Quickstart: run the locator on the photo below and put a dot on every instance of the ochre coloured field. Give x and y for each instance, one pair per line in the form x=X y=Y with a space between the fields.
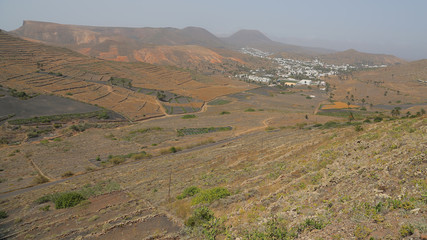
x=339 y=105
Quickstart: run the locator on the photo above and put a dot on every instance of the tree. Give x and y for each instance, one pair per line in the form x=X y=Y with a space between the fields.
x=423 y=111
x=395 y=112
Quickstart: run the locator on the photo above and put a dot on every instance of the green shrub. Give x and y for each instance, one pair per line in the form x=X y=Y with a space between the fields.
x=406 y=230
x=41 y=179
x=117 y=160
x=68 y=199
x=67 y=174
x=250 y=110
x=140 y=155
x=189 y=192
x=173 y=150
x=45 y=208
x=275 y=228
x=397 y=203
x=199 y=217
x=210 y=195
x=358 y=128
x=378 y=119
x=170 y=150
x=44 y=199
x=330 y=124
x=362 y=232
x=224 y=112
x=81 y=127
x=188 y=116
x=33 y=134
x=311 y=224
x=3 y=214
x=103 y=115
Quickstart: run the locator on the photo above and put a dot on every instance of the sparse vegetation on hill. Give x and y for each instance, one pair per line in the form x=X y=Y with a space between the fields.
x=288 y=168
x=194 y=131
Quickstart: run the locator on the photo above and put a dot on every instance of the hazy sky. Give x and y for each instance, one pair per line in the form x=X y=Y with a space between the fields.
x=396 y=27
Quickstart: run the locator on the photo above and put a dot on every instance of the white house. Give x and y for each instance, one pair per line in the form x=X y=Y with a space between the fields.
x=304 y=82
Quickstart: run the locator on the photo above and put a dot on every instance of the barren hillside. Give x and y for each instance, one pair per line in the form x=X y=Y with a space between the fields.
x=354 y=57
x=182 y=47
x=38 y=68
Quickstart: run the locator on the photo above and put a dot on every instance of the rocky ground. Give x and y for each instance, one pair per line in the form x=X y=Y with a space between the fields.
x=334 y=183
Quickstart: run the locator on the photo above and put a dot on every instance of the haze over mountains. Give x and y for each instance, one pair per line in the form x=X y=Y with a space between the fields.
x=180 y=47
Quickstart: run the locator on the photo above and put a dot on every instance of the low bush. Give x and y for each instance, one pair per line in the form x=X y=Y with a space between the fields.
x=210 y=195
x=378 y=119
x=275 y=228
x=3 y=214
x=310 y=224
x=358 y=128
x=140 y=155
x=250 y=110
x=199 y=217
x=170 y=150
x=188 y=116
x=406 y=230
x=189 y=192
x=68 y=199
x=67 y=174
x=41 y=179
x=117 y=160
x=82 y=127
x=330 y=124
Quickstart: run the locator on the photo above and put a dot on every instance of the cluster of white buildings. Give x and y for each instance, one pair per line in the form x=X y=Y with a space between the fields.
x=295 y=72
x=254 y=78
x=255 y=52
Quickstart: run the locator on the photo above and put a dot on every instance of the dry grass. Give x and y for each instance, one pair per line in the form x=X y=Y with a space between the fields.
x=339 y=105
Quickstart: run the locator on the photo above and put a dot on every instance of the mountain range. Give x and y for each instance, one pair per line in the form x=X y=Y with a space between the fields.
x=182 y=47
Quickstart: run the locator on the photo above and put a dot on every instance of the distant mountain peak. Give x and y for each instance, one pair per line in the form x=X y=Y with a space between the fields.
x=251 y=35
x=351 y=50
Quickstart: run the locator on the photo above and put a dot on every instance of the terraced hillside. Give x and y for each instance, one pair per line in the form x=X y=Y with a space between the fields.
x=305 y=184
x=33 y=67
